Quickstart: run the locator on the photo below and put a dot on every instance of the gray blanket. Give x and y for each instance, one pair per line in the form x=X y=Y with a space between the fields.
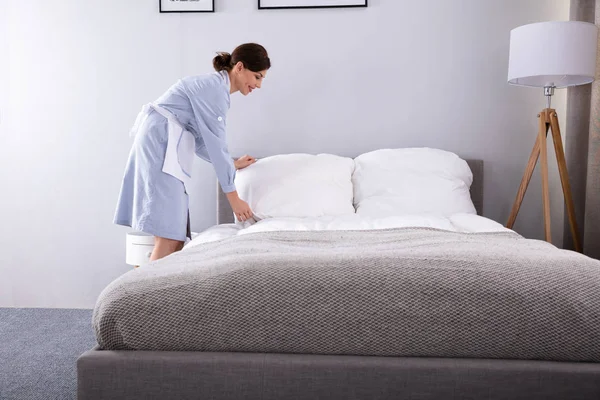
x=396 y=292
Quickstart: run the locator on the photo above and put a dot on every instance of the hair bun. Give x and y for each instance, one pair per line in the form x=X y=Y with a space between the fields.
x=222 y=61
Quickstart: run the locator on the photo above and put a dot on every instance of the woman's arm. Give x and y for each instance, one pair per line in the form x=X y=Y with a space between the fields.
x=209 y=105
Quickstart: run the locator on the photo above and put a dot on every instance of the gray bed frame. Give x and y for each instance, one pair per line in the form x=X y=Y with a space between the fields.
x=219 y=376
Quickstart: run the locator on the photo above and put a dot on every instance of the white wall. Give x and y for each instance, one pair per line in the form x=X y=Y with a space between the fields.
x=6 y=284
x=417 y=73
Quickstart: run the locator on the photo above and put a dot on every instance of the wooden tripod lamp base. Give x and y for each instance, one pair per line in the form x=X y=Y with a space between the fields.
x=547 y=120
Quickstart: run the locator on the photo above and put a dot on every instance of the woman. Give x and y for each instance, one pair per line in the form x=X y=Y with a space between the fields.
x=188 y=119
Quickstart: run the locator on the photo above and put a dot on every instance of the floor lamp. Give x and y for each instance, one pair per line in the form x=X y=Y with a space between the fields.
x=551 y=55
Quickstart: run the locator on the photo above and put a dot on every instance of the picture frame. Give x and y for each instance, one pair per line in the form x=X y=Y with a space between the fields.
x=186 y=6
x=287 y=4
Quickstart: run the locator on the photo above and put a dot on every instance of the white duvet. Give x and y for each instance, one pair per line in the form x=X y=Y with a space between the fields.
x=460 y=222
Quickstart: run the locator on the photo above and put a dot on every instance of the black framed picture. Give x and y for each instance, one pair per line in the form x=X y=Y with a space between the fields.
x=279 y=4
x=183 y=6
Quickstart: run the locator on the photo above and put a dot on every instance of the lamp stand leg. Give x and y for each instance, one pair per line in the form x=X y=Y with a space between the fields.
x=543 y=132
x=564 y=178
x=533 y=158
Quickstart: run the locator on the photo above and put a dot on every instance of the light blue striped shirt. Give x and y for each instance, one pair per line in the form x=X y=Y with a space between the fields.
x=200 y=104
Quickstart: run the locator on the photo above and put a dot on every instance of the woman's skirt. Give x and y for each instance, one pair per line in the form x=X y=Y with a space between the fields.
x=150 y=200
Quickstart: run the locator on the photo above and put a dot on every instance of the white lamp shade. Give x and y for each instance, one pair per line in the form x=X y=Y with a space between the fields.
x=558 y=53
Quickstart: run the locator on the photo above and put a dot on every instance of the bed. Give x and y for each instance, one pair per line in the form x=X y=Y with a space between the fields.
x=353 y=306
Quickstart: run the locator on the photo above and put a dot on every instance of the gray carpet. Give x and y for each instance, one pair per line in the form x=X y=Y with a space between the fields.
x=38 y=352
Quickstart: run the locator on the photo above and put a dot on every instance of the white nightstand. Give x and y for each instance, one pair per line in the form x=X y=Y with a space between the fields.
x=139 y=248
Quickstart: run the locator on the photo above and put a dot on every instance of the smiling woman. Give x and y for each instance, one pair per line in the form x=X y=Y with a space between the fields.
x=190 y=117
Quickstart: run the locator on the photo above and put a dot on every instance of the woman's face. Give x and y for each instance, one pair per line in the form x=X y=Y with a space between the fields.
x=245 y=80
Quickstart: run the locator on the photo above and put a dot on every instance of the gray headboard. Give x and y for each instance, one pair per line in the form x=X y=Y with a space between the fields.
x=225 y=215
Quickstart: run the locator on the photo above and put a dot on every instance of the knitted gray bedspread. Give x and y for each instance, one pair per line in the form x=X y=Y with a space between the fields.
x=395 y=292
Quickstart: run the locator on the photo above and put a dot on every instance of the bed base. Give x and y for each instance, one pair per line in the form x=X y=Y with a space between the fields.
x=218 y=376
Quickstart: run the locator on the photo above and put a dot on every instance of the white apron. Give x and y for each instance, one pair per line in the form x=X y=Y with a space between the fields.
x=181 y=145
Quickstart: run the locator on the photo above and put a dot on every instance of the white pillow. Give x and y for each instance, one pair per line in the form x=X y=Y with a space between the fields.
x=392 y=182
x=298 y=185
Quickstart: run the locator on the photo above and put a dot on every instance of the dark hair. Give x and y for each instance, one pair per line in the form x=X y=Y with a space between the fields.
x=253 y=56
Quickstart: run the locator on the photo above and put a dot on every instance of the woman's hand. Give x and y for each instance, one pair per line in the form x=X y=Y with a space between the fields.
x=240 y=208
x=244 y=161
